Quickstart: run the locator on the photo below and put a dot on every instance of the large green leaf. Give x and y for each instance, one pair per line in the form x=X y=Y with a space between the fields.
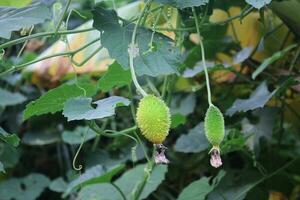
x=2 y=168
x=29 y=187
x=12 y=19
x=76 y=136
x=258 y=3
x=94 y=175
x=80 y=107
x=257 y=99
x=162 y=59
x=8 y=98
x=132 y=178
x=198 y=190
x=115 y=76
x=11 y=139
x=183 y=3
x=9 y=156
x=53 y=100
x=271 y=60
x=102 y=191
x=193 y=142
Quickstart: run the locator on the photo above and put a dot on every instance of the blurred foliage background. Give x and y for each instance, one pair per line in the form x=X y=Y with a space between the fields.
x=252 y=51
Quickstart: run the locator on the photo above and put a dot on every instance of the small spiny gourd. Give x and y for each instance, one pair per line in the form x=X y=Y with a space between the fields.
x=153 y=119
x=214 y=126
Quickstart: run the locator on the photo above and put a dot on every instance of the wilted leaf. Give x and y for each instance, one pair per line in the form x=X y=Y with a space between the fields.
x=198 y=190
x=271 y=60
x=115 y=76
x=80 y=107
x=183 y=4
x=29 y=187
x=258 y=3
x=177 y=119
x=76 y=136
x=11 y=139
x=96 y=174
x=128 y=181
x=257 y=99
x=8 y=98
x=12 y=19
x=53 y=100
x=161 y=60
x=194 y=142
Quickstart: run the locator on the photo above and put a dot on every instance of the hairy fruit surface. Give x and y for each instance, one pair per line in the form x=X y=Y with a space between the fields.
x=214 y=125
x=153 y=119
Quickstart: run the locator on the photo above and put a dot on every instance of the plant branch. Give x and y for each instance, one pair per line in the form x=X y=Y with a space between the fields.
x=62 y=17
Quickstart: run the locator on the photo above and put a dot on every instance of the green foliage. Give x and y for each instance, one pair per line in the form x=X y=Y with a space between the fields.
x=53 y=100
x=80 y=107
x=8 y=98
x=198 y=190
x=258 y=3
x=11 y=139
x=33 y=185
x=78 y=135
x=183 y=4
x=12 y=19
x=161 y=60
x=115 y=77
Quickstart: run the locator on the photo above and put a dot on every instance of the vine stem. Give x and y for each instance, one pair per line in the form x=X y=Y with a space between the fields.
x=203 y=57
x=62 y=16
x=132 y=53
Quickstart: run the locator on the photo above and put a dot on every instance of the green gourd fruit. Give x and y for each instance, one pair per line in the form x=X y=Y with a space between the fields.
x=153 y=119
x=214 y=126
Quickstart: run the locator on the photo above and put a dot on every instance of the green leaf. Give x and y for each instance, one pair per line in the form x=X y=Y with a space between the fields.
x=103 y=191
x=183 y=105
x=2 y=168
x=15 y=3
x=53 y=100
x=80 y=107
x=257 y=99
x=8 y=98
x=96 y=174
x=115 y=76
x=194 y=142
x=258 y=3
x=198 y=190
x=9 y=156
x=132 y=178
x=278 y=55
x=76 y=136
x=183 y=4
x=161 y=60
x=234 y=141
x=11 y=139
x=234 y=188
x=29 y=187
x=12 y=19
x=58 y=185
x=177 y=119
x=41 y=137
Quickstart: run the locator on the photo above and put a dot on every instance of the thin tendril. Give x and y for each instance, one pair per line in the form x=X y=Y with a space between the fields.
x=77 y=153
x=203 y=57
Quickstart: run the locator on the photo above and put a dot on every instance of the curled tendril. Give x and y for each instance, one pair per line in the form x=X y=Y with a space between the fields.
x=159 y=156
x=77 y=153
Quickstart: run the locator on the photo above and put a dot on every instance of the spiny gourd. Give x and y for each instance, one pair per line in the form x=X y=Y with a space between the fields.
x=214 y=126
x=153 y=119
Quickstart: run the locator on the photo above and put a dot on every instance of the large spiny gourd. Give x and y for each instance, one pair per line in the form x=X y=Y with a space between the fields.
x=153 y=119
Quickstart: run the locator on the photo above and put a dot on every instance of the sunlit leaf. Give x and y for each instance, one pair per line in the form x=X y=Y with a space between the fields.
x=177 y=119
x=257 y=99
x=53 y=100
x=11 y=139
x=115 y=76
x=80 y=107
x=258 y=3
x=193 y=142
x=198 y=190
x=162 y=59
